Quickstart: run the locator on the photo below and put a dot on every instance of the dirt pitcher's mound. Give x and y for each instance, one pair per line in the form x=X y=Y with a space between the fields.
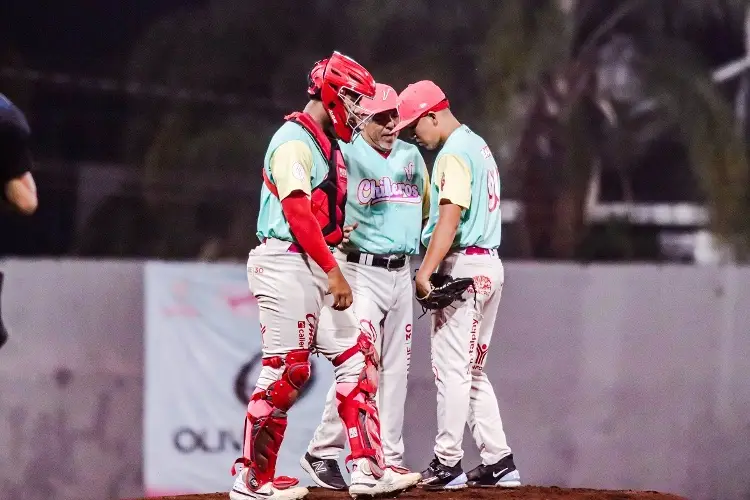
x=525 y=493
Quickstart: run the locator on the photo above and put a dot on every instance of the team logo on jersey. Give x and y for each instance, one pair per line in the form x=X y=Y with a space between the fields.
x=298 y=171
x=373 y=191
x=482 y=285
x=481 y=356
x=409 y=171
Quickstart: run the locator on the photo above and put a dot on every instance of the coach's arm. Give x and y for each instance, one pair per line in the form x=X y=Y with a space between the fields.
x=20 y=192
x=17 y=186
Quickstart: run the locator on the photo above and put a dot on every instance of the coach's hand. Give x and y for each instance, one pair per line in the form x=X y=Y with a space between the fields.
x=340 y=289
x=347 y=233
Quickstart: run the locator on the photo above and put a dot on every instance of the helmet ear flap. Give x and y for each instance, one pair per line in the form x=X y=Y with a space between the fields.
x=315 y=79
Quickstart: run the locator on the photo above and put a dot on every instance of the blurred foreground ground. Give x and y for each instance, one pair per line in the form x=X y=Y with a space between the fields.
x=526 y=493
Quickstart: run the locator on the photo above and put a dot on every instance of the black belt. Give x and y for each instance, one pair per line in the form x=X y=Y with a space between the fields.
x=392 y=262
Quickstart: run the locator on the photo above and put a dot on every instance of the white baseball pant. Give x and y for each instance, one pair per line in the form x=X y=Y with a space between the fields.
x=382 y=307
x=290 y=290
x=461 y=337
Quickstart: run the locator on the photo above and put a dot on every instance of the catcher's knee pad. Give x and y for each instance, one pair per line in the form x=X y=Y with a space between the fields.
x=368 y=377
x=285 y=391
x=267 y=416
x=356 y=407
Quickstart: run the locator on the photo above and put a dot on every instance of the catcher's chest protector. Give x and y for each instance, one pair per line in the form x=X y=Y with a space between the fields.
x=328 y=199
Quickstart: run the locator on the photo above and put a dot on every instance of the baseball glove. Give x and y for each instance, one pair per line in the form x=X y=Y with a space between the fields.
x=446 y=290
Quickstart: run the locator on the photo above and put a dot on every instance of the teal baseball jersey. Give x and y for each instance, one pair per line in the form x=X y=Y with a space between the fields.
x=466 y=174
x=293 y=162
x=386 y=196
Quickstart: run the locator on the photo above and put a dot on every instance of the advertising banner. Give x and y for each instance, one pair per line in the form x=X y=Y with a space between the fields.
x=202 y=357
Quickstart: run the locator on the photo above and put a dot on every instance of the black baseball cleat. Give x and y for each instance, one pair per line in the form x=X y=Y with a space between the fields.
x=442 y=477
x=502 y=474
x=324 y=471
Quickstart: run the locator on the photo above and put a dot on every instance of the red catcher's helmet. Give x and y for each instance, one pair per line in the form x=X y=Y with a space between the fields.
x=315 y=79
x=345 y=81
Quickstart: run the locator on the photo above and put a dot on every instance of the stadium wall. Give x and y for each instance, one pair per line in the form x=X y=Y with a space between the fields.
x=608 y=376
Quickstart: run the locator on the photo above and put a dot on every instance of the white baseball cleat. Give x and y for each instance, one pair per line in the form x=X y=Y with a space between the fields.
x=405 y=473
x=365 y=485
x=240 y=490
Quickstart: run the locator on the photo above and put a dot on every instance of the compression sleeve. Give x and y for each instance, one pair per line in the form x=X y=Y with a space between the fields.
x=306 y=231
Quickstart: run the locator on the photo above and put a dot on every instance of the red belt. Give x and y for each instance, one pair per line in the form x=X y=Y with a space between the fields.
x=295 y=248
x=476 y=251
x=480 y=251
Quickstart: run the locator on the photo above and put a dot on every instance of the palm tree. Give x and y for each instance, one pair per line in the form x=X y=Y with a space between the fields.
x=579 y=118
x=524 y=72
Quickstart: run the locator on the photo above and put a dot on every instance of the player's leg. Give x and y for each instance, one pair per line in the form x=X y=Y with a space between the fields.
x=321 y=459
x=394 y=371
x=497 y=467
x=454 y=335
x=329 y=438
x=356 y=369
x=286 y=368
x=340 y=329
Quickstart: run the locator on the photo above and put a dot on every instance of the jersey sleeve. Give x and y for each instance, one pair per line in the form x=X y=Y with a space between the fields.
x=291 y=168
x=426 y=196
x=453 y=178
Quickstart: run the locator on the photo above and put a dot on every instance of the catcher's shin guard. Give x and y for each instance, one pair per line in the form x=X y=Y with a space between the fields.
x=266 y=419
x=356 y=406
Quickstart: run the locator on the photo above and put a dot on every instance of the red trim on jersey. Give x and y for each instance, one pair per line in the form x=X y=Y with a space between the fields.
x=270 y=185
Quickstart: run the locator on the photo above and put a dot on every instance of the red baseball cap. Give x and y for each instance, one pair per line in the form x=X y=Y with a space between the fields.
x=417 y=100
x=385 y=99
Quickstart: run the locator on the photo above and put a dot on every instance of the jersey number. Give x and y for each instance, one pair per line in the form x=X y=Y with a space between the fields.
x=493 y=189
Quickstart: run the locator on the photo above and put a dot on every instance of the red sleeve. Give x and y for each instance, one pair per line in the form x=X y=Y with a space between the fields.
x=306 y=230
